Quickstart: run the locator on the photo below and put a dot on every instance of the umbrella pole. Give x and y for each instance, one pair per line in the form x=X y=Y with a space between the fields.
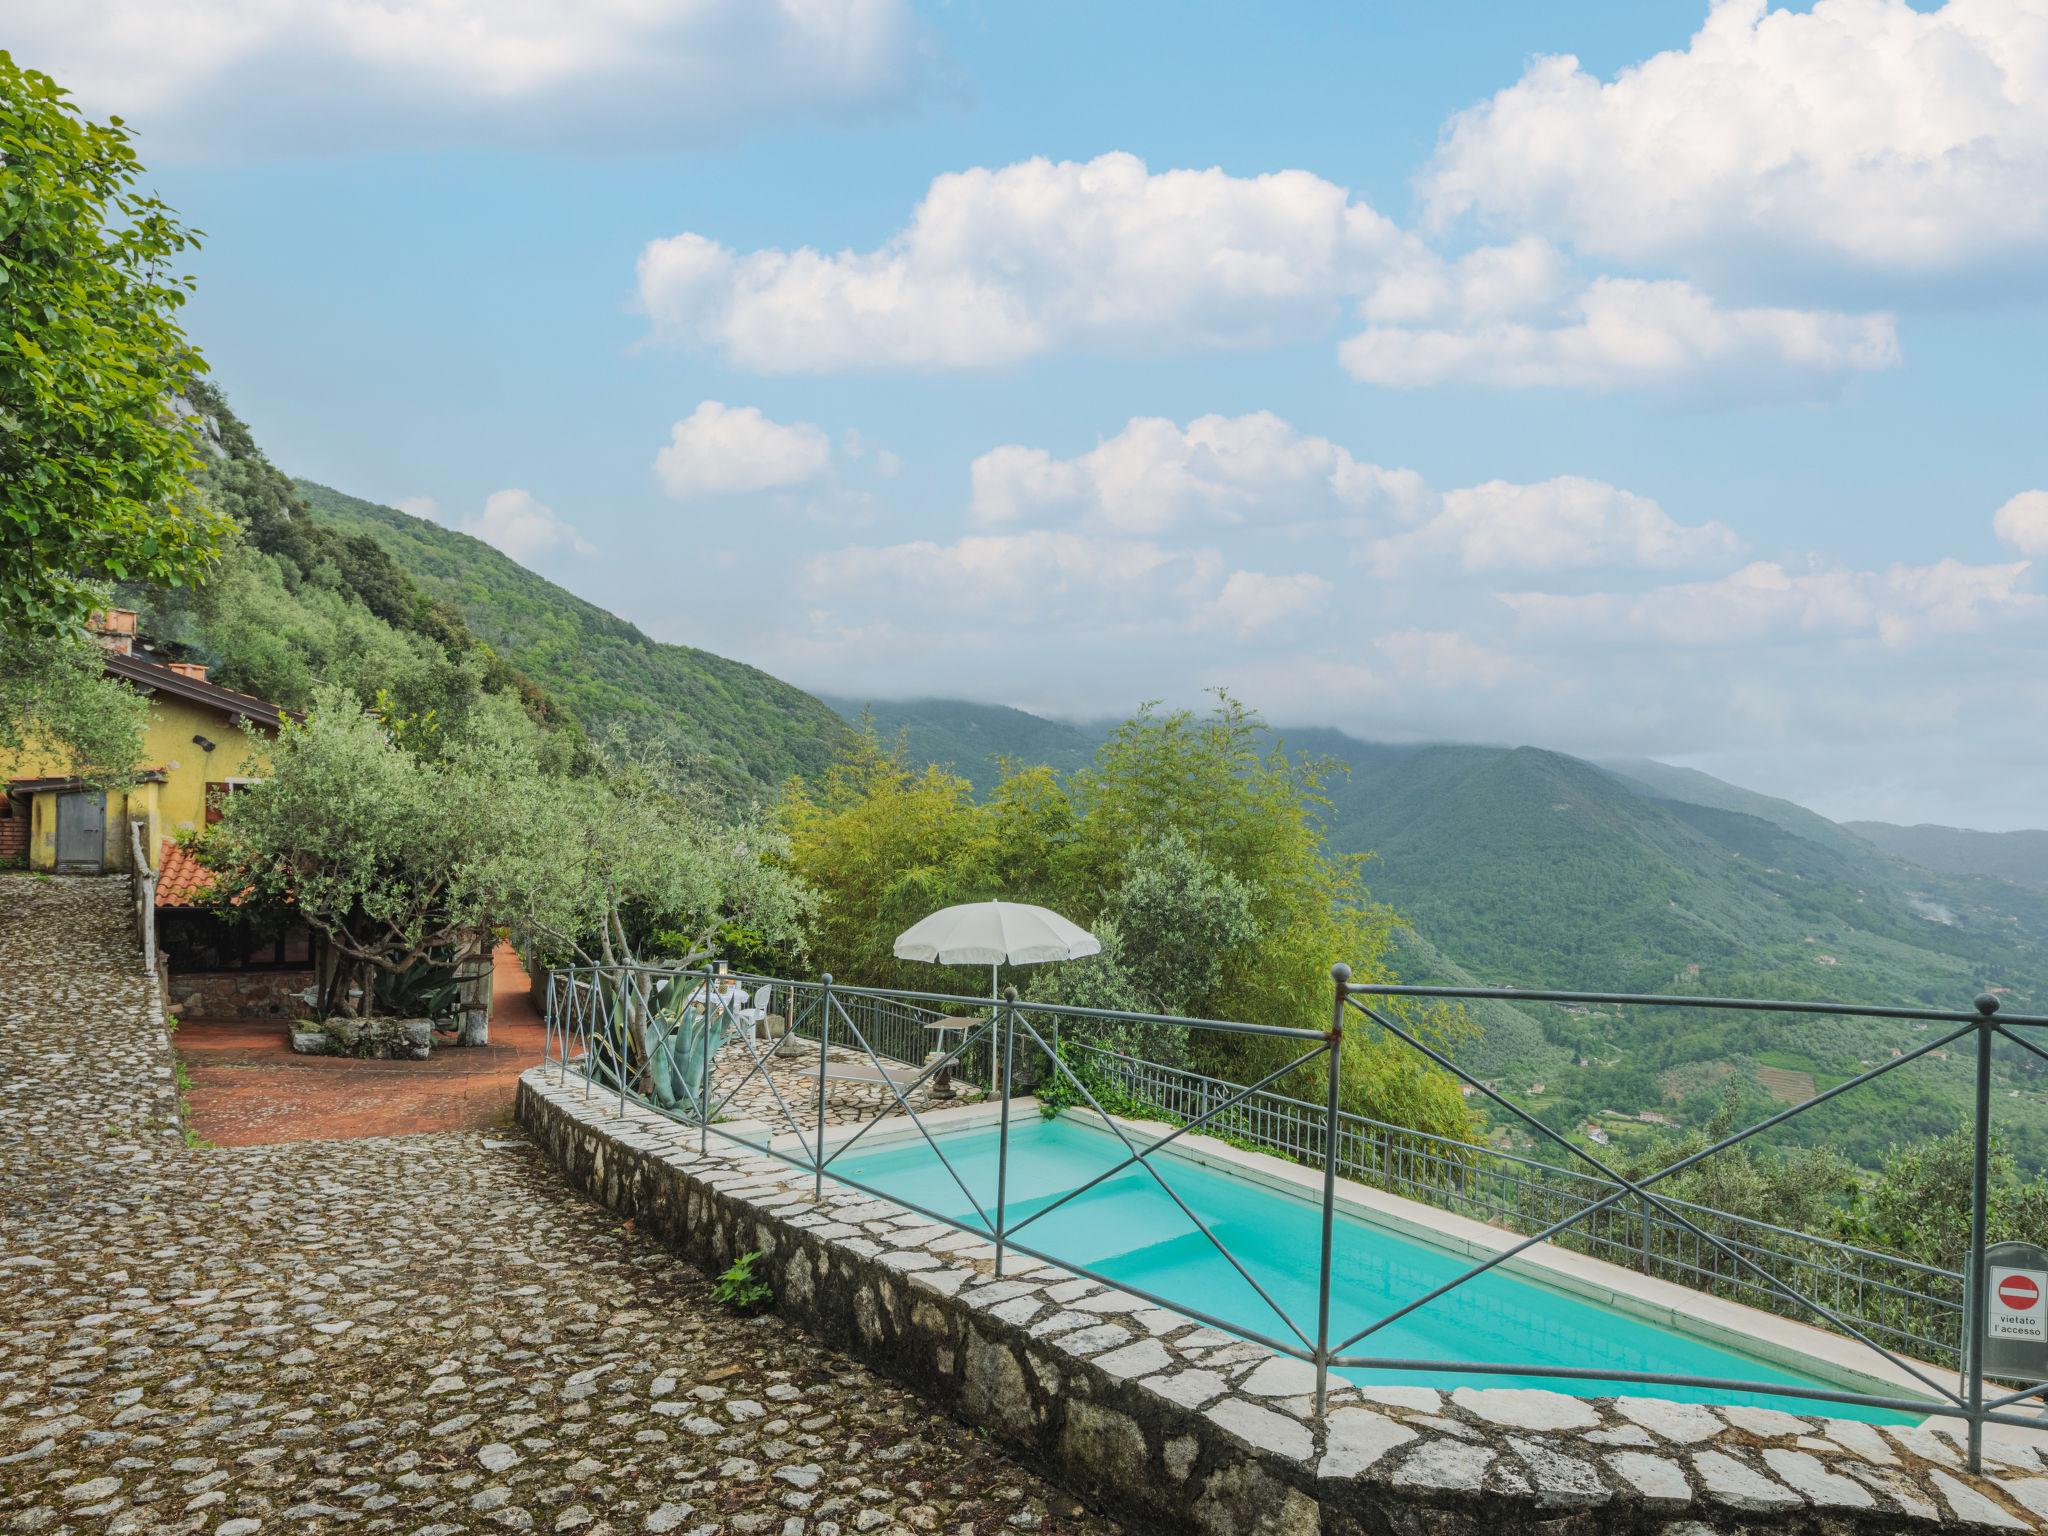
x=995 y=996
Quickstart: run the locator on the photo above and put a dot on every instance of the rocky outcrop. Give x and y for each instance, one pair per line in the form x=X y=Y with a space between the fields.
x=373 y=1039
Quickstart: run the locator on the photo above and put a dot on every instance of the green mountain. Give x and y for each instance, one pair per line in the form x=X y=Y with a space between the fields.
x=1524 y=867
x=1535 y=868
x=2021 y=857
x=1667 y=782
x=973 y=739
x=739 y=725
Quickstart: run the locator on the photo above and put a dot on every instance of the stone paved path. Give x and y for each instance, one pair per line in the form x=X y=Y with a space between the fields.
x=423 y=1334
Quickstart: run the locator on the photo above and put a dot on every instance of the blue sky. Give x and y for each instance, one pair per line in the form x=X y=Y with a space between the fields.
x=1378 y=362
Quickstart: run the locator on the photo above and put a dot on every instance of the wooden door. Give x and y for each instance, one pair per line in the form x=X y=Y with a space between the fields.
x=81 y=832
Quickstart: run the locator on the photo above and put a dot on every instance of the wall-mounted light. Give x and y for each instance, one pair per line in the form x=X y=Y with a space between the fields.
x=202 y=743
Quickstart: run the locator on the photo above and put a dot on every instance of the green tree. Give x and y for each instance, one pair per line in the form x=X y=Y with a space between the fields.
x=393 y=854
x=884 y=846
x=1181 y=919
x=55 y=698
x=638 y=864
x=96 y=462
x=1809 y=1189
x=1253 y=814
x=1920 y=1202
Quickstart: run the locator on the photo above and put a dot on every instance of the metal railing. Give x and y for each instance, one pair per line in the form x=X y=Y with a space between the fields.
x=1917 y=1307
x=901 y=1032
x=597 y=1027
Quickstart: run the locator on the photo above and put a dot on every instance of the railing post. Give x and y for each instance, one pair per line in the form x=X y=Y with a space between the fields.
x=621 y=1016
x=1340 y=977
x=547 y=1033
x=824 y=1041
x=704 y=1080
x=1980 y=1213
x=1003 y=1134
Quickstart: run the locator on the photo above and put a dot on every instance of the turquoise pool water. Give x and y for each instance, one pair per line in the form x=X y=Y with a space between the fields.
x=1128 y=1231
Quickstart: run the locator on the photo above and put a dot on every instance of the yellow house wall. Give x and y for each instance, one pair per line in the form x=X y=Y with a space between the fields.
x=177 y=804
x=138 y=803
x=168 y=744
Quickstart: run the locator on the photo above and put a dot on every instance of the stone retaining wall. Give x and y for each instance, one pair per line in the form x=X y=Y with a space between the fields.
x=1176 y=1427
x=239 y=994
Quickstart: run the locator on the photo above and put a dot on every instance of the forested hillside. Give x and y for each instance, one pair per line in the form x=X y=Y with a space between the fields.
x=2021 y=857
x=973 y=739
x=731 y=721
x=1692 y=787
x=1521 y=867
x=294 y=605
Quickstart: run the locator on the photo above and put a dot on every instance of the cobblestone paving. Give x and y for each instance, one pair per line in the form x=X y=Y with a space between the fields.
x=423 y=1334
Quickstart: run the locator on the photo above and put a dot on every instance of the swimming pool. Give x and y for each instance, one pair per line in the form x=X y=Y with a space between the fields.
x=1128 y=1231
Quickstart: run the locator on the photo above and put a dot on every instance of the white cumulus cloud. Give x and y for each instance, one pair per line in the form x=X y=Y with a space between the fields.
x=1260 y=471
x=1620 y=332
x=721 y=450
x=1566 y=523
x=259 y=76
x=1254 y=603
x=1026 y=606
x=1861 y=133
x=517 y=524
x=1004 y=264
x=1154 y=474
x=1766 y=600
x=996 y=266
x=2023 y=522
x=1447 y=659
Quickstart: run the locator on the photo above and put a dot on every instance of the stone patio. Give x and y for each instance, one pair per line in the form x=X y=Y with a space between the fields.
x=425 y=1334
x=746 y=1095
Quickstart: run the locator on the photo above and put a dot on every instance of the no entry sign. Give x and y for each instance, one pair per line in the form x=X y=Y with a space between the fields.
x=2015 y=1297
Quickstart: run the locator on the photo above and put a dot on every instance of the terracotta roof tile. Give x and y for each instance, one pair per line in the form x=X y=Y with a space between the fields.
x=181 y=880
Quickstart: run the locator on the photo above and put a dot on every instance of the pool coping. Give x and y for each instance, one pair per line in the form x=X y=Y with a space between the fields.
x=1174 y=1426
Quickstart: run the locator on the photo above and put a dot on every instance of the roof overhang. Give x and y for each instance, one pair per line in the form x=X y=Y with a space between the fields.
x=63 y=784
x=159 y=678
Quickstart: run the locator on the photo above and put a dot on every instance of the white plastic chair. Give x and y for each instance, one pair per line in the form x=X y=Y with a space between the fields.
x=757 y=1009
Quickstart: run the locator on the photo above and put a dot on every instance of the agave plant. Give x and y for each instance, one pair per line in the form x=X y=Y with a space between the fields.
x=427 y=989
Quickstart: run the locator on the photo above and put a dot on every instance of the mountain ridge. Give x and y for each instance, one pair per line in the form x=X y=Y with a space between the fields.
x=747 y=728
x=2020 y=857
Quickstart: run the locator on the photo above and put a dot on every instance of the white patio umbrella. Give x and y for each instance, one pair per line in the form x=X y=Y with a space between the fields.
x=995 y=933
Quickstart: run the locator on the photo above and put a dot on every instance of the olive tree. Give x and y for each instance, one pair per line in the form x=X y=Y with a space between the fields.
x=640 y=864
x=638 y=867
x=399 y=840
x=56 y=700
x=392 y=854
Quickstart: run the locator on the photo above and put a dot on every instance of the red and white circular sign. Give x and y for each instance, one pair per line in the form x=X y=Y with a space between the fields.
x=2019 y=1293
